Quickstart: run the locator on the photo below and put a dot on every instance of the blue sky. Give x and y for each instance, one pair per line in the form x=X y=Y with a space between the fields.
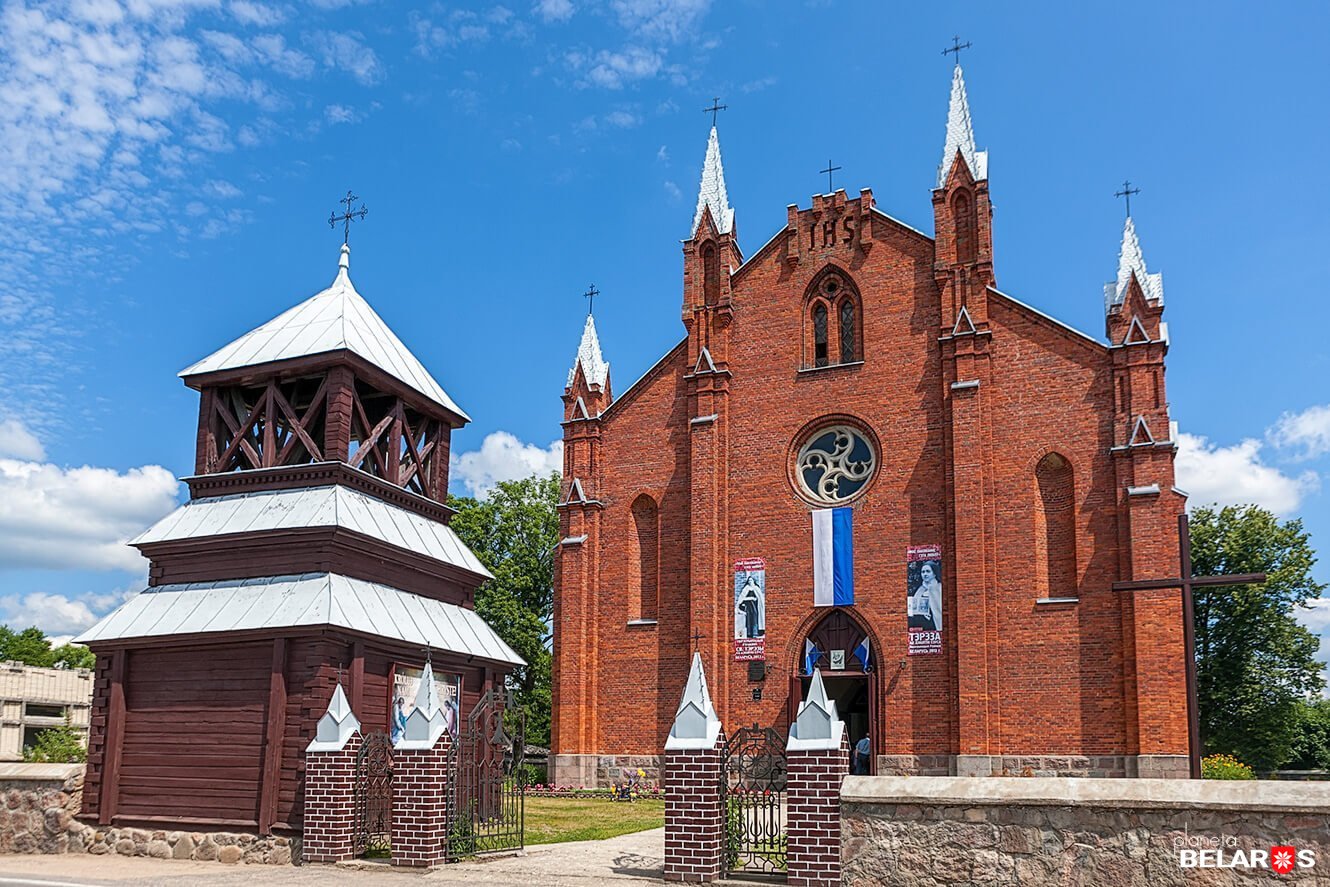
x=167 y=169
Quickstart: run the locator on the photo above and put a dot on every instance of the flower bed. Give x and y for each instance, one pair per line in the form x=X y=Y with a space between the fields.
x=544 y=790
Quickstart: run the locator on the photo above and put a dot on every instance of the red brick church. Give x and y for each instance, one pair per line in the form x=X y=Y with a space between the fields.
x=865 y=457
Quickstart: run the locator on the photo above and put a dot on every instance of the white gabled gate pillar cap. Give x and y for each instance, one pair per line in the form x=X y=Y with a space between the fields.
x=696 y=725
x=817 y=728
x=337 y=725
x=425 y=724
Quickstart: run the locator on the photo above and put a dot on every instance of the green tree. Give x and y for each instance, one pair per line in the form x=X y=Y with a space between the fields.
x=1256 y=665
x=58 y=745
x=31 y=647
x=513 y=531
x=1311 y=744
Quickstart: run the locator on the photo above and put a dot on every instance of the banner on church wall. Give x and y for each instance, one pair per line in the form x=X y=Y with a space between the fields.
x=923 y=583
x=406 y=683
x=750 y=610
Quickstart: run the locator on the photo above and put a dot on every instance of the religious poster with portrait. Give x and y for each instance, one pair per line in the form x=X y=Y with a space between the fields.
x=923 y=583
x=750 y=610
x=406 y=683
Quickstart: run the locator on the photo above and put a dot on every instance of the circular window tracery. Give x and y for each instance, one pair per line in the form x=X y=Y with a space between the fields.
x=835 y=464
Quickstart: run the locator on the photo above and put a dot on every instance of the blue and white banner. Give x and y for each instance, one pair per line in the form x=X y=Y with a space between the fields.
x=833 y=557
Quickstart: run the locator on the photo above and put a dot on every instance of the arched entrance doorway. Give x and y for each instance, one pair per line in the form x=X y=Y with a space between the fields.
x=845 y=650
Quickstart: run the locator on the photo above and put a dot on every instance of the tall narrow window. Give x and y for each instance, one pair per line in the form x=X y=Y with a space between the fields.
x=963 y=214
x=644 y=568
x=1055 y=528
x=848 y=350
x=710 y=273
x=820 y=335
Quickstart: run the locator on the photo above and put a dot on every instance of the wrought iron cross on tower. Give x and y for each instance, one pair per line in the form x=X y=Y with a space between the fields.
x=715 y=109
x=831 y=189
x=695 y=637
x=590 y=296
x=1186 y=581
x=1127 y=191
x=346 y=217
x=956 y=47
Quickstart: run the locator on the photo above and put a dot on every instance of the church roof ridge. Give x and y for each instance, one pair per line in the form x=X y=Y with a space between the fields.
x=711 y=192
x=595 y=369
x=1132 y=261
x=334 y=319
x=960 y=134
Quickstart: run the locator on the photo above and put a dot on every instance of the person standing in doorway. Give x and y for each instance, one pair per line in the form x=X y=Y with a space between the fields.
x=859 y=759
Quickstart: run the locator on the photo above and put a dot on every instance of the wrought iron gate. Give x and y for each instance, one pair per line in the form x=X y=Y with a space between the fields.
x=752 y=791
x=373 y=794
x=487 y=779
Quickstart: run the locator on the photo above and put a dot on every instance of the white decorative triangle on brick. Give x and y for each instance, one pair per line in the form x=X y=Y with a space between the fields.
x=704 y=362
x=964 y=325
x=425 y=724
x=1140 y=433
x=575 y=494
x=1136 y=334
x=580 y=410
x=817 y=726
x=696 y=725
x=337 y=725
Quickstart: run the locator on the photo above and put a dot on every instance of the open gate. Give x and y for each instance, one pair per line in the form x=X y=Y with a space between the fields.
x=487 y=779
x=372 y=792
x=752 y=791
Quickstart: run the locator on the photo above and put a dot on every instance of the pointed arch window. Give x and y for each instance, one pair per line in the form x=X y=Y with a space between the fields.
x=833 y=332
x=820 y=334
x=849 y=350
x=710 y=273
x=963 y=215
x=644 y=559
x=1055 y=528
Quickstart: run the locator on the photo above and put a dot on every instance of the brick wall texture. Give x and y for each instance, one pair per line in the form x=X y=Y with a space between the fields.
x=420 y=823
x=329 y=824
x=1022 y=480
x=813 y=828
x=694 y=821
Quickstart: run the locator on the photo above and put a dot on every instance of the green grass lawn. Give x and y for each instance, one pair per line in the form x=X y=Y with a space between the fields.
x=555 y=820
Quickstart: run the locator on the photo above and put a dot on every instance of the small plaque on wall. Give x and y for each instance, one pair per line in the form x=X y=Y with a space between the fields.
x=757 y=694
x=838 y=660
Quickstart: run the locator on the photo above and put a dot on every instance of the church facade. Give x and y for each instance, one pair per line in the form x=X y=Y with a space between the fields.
x=865 y=457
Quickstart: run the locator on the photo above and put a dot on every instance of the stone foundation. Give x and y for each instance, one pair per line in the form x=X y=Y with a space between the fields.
x=599 y=771
x=40 y=802
x=935 y=831
x=1089 y=766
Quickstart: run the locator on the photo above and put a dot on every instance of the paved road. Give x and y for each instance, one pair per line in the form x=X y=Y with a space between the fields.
x=628 y=859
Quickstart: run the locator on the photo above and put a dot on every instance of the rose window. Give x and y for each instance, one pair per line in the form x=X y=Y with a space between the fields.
x=835 y=464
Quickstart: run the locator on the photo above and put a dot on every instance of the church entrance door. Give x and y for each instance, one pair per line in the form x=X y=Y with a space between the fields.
x=840 y=647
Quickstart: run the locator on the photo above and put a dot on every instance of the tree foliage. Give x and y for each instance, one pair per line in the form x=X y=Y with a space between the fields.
x=57 y=745
x=31 y=647
x=1311 y=743
x=1256 y=665
x=513 y=531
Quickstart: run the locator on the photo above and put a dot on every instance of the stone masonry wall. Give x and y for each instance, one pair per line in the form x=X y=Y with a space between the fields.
x=37 y=815
x=928 y=832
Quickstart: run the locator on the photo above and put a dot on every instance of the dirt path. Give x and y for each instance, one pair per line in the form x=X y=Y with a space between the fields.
x=627 y=859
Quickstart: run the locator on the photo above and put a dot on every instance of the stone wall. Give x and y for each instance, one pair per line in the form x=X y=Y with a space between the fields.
x=40 y=803
x=601 y=771
x=932 y=831
x=1093 y=766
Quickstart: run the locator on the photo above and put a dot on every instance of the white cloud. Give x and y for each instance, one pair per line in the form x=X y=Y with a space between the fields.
x=346 y=51
x=661 y=19
x=52 y=613
x=222 y=188
x=1307 y=433
x=248 y=13
x=20 y=443
x=612 y=70
x=335 y=114
x=622 y=119
x=1235 y=475
x=554 y=10
x=503 y=457
x=672 y=192
x=1317 y=616
x=78 y=518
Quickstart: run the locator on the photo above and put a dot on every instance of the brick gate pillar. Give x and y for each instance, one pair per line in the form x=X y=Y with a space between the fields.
x=420 y=782
x=817 y=759
x=330 y=769
x=694 y=819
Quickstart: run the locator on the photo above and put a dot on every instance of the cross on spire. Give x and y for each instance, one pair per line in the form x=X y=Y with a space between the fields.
x=590 y=296
x=695 y=637
x=1127 y=191
x=956 y=47
x=829 y=170
x=715 y=109
x=346 y=217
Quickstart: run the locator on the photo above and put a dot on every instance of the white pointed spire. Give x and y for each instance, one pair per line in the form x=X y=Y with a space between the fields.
x=595 y=368
x=1131 y=261
x=817 y=725
x=960 y=135
x=711 y=193
x=336 y=726
x=696 y=725
x=425 y=724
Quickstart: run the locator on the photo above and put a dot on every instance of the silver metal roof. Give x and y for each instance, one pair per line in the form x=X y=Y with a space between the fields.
x=310 y=599
x=333 y=505
x=336 y=319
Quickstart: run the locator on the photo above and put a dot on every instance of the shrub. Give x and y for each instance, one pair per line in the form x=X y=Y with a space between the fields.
x=1224 y=767
x=58 y=745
